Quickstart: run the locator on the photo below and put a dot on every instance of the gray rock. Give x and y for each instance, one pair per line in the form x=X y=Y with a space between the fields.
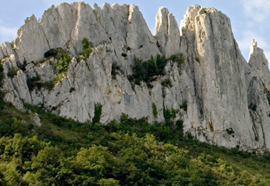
x=167 y=33
x=36 y=120
x=31 y=43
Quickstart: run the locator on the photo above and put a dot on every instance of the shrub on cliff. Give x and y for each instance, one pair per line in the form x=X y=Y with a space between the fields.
x=148 y=71
x=87 y=47
x=63 y=60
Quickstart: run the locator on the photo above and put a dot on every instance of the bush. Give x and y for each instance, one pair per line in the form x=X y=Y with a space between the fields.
x=169 y=114
x=79 y=58
x=58 y=78
x=108 y=182
x=97 y=113
x=180 y=127
x=87 y=52
x=154 y=110
x=87 y=47
x=11 y=126
x=148 y=70
x=63 y=61
x=160 y=62
x=12 y=72
x=86 y=43
x=179 y=58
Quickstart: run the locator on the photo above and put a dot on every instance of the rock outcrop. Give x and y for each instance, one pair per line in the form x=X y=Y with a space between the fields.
x=220 y=98
x=167 y=32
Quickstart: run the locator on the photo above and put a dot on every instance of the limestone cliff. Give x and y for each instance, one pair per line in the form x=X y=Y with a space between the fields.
x=220 y=97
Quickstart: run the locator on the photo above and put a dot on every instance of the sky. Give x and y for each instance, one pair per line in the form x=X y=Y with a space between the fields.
x=249 y=19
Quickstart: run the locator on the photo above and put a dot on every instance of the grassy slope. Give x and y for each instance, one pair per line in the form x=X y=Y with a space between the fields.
x=70 y=136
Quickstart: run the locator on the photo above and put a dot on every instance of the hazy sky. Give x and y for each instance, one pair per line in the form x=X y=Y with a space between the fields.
x=249 y=18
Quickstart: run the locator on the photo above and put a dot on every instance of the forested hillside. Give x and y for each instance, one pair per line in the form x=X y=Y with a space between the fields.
x=132 y=152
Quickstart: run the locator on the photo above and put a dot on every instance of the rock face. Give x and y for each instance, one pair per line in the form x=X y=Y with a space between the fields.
x=167 y=32
x=219 y=70
x=220 y=98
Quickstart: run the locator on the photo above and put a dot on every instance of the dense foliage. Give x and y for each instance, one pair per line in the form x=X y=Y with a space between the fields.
x=87 y=47
x=63 y=60
x=97 y=113
x=129 y=152
x=61 y=63
x=148 y=71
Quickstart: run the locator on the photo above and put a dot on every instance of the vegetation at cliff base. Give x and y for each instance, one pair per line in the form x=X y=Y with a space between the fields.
x=128 y=152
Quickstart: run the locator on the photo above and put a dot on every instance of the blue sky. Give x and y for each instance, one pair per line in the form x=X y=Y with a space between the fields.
x=249 y=18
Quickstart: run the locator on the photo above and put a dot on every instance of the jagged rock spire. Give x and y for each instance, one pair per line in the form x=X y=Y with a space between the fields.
x=167 y=32
x=253 y=48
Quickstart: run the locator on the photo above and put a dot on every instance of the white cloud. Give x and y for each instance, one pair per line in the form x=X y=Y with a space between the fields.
x=257 y=10
x=8 y=33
